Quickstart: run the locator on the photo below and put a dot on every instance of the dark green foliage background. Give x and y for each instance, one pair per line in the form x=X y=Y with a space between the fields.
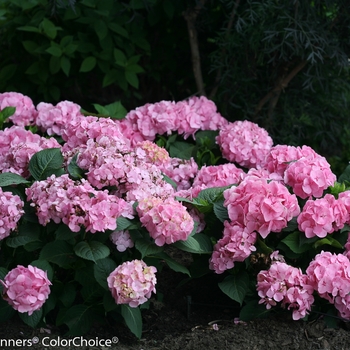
x=283 y=64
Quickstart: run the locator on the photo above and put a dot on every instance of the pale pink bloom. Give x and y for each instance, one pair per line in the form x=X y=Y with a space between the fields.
x=260 y=205
x=309 y=176
x=26 y=288
x=154 y=154
x=167 y=221
x=132 y=283
x=317 y=217
x=25 y=113
x=18 y=145
x=287 y=285
x=244 y=143
x=11 y=210
x=235 y=245
x=130 y=131
x=342 y=304
x=219 y=175
x=329 y=275
x=53 y=119
x=122 y=240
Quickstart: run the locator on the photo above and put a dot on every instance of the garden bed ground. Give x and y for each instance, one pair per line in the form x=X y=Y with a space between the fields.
x=175 y=324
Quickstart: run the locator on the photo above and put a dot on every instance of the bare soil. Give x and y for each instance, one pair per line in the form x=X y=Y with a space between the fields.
x=197 y=315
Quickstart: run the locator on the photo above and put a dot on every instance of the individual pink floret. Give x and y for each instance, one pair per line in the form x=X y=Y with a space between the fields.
x=244 y=143
x=25 y=113
x=122 y=240
x=235 y=245
x=132 y=283
x=26 y=288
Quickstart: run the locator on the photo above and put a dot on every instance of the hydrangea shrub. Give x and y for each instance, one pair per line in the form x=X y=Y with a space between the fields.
x=89 y=205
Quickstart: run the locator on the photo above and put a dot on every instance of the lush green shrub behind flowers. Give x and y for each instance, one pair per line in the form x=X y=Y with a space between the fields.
x=89 y=205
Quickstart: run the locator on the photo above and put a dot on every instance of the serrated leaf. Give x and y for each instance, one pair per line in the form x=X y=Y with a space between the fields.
x=33 y=319
x=93 y=250
x=22 y=238
x=198 y=244
x=88 y=64
x=79 y=319
x=102 y=269
x=236 y=286
x=132 y=79
x=58 y=252
x=253 y=310
x=74 y=170
x=146 y=247
x=133 y=319
x=46 y=163
x=292 y=241
x=175 y=266
x=212 y=194
x=10 y=179
x=7 y=112
x=328 y=241
x=220 y=211
x=169 y=181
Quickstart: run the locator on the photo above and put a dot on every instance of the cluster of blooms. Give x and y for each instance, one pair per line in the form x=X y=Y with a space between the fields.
x=287 y=285
x=25 y=113
x=132 y=283
x=165 y=117
x=260 y=205
x=53 y=119
x=122 y=240
x=244 y=143
x=329 y=275
x=322 y=216
x=17 y=146
x=76 y=204
x=308 y=173
x=26 y=288
x=11 y=210
x=129 y=171
x=167 y=221
x=236 y=244
x=219 y=175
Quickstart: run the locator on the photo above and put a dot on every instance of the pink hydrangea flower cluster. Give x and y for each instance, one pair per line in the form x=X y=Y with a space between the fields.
x=132 y=283
x=167 y=221
x=219 y=175
x=329 y=275
x=26 y=288
x=181 y=171
x=76 y=204
x=17 y=146
x=53 y=119
x=287 y=285
x=236 y=244
x=322 y=216
x=244 y=143
x=25 y=113
x=165 y=117
x=154 y=154
x=11 y=210
x=129 y=171
x=261 y=206
x=122 y=240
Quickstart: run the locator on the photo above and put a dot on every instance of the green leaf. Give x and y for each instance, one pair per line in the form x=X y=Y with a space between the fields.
x=212 y=194
x=45 y=266
x=93 y=250
x=79 y=319
x=113 y=110
x=32 y=320
x=57 y=252
x=293 y=242
x=54 y=64
x=101 y=29
x=168 y=7
x=220 y=211
x=180 y=149
x=10 y=179
x=253 y=310
x=110 y=78
x=146 y=248
x=345 y=176
x=49 y=28
x=124 y=224
x=29 y=29
x=198 y=244
x=65 y=65
x=24 y=237
x=88 y=64
x=133 y=319
x=135 y=68
x=30 y=46
x=6 y=113
x=46 y=163
x=175 y=266
x=68 y=295
x=328 y=241
x=6 y=310
x=64 y=233
x=236 y=286
x=102 y=269
x=169 y=181
x=132 y=79
x=54 y=50
x=120 y=58
x=7 y=72
x=118 y=29
x=74 y=170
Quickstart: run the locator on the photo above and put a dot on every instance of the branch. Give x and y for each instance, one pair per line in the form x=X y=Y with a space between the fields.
x=275 y=93
x=190 y=17
x=223 y=51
